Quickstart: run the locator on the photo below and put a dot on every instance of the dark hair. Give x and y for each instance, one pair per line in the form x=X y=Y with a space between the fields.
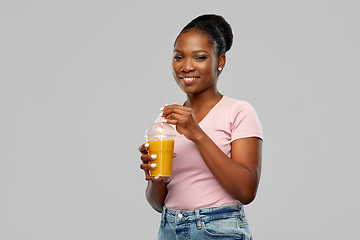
x=217 y=28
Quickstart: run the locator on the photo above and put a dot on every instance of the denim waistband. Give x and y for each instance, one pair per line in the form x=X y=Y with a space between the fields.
x=204 y=214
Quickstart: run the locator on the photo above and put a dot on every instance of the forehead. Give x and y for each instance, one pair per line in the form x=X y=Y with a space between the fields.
x=193 y=40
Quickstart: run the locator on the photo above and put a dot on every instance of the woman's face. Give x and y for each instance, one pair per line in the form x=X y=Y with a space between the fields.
x=195 y=65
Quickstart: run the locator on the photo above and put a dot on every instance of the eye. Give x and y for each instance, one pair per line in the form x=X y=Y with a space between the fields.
x=201 y=58
x=177 y=58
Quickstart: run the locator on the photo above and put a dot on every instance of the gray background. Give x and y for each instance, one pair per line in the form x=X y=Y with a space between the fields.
x=81 y=81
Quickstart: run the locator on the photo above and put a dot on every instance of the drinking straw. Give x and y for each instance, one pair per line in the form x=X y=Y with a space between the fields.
x=161 y=125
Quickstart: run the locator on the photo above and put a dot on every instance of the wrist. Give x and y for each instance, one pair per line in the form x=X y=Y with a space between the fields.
x=199 y=138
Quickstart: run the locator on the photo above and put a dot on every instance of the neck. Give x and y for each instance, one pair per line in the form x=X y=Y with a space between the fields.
x=198 y=101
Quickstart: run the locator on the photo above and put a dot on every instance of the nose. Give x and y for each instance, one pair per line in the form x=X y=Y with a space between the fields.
x=187 y=66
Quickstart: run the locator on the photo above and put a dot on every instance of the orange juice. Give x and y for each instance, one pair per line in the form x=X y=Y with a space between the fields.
x=164 y=155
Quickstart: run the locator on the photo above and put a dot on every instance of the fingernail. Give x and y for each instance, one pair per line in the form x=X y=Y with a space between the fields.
x=153 y=165
x=160 y=115
x=153 y=156
x=164 y=120
x=146 y=145
x=162 y=108
x=156 y=177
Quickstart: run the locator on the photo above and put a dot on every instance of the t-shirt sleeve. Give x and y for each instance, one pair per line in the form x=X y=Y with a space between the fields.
x=245 y=121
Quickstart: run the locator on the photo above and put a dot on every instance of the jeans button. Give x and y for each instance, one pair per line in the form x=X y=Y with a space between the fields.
x=180 y=215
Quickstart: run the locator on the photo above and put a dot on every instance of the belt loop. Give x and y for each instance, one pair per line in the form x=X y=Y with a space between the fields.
x=163 y=216
x=242 y=212
x=198 y=220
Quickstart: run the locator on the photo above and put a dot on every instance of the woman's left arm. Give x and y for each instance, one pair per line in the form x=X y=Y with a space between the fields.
x=238 y=174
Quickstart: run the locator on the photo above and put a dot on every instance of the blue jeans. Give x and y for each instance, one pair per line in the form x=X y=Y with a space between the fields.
x=226 y=222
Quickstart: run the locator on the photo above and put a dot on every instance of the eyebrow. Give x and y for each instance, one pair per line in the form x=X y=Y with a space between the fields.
x=197 y=51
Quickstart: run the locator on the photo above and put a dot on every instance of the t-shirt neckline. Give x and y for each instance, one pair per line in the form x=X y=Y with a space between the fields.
x=211 y=110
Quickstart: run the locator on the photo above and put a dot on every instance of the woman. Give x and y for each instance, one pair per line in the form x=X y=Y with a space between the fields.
x=218 y=144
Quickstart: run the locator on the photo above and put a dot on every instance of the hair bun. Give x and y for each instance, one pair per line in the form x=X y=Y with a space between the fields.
x=221 y=24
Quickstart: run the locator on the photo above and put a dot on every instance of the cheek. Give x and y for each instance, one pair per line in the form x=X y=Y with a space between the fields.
x=174 y=74
x=208 y=69
x=174 y=69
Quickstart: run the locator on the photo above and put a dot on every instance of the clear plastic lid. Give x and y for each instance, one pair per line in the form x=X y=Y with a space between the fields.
x=158 y=131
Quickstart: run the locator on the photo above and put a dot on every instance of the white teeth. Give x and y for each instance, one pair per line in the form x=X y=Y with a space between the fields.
x=189 y=80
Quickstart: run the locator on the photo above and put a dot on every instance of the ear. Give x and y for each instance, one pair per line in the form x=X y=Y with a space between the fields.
x=221 y=62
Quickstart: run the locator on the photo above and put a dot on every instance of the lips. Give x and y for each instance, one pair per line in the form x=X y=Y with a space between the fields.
x=189 y=79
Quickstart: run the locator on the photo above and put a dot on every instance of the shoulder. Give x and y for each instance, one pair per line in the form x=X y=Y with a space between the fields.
x=236 y=106
x=243 y=119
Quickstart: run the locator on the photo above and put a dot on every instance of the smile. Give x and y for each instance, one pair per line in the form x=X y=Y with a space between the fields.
x=188 y=80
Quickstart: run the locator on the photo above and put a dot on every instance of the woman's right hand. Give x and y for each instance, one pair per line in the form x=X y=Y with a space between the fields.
x=148 y=163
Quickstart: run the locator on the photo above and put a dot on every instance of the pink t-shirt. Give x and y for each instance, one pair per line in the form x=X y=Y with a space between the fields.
x=192 y=185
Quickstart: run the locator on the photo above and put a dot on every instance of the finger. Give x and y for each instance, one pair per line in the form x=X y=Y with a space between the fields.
x=144 y=148
x=179 y=116
x=162 y=108
x=154 y=179
x=179 y=119
x=148 y=157
x=148 y=166
x=175 y=106
x=147 y=172
x=182 y=110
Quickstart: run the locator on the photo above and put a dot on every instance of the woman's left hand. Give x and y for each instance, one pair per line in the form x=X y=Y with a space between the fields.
x=184 y=119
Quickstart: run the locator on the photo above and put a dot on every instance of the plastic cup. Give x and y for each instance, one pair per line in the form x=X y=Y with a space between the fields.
x=160 y=138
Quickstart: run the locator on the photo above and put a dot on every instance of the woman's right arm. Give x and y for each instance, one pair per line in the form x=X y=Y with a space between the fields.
x=156 y=193
x=156 y=190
